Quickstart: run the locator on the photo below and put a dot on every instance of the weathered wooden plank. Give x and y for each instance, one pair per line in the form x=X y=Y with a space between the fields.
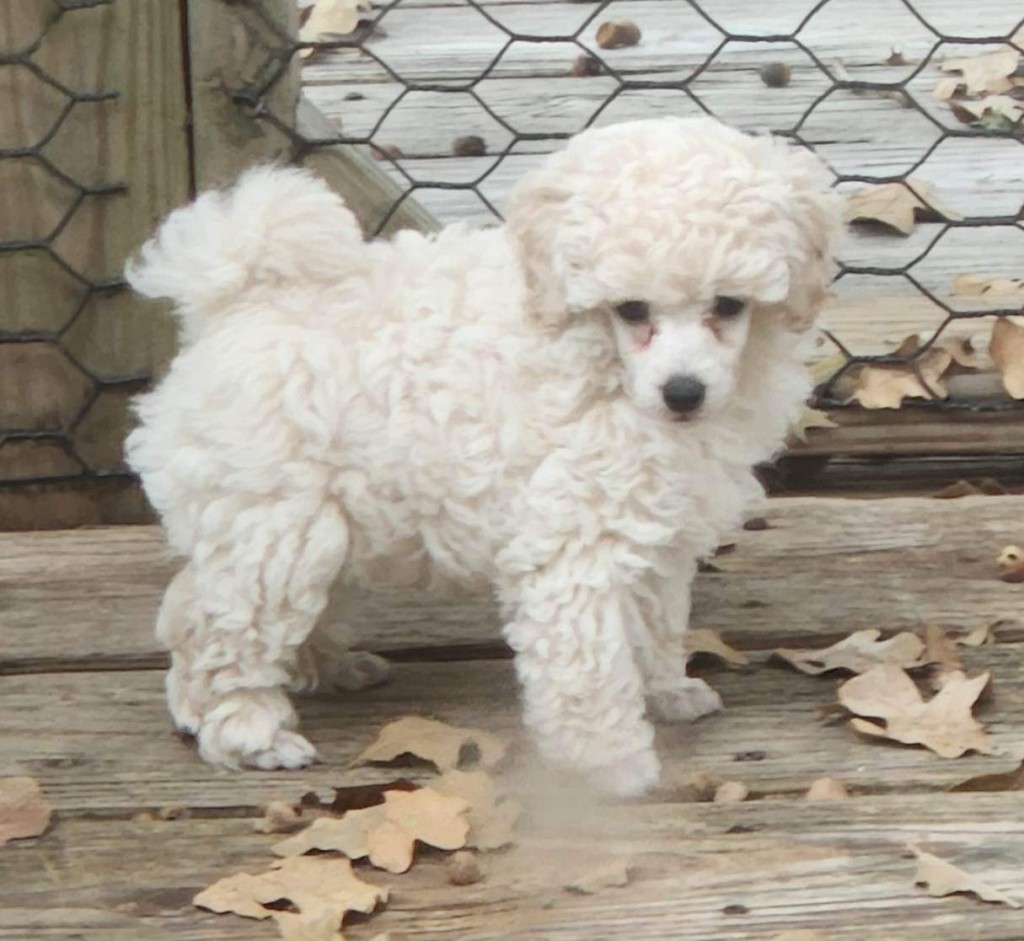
x=136 y=142
x=91 y=595
x=699 y=872
x=101 y=743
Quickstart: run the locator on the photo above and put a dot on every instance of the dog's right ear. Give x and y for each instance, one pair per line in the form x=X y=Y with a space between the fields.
x=539 y=221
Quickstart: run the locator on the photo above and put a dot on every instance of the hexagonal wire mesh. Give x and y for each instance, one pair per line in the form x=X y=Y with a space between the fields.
x=390 y=92
x=45 y=292
x=696 y=56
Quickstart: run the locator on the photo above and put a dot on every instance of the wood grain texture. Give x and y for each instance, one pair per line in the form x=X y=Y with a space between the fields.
x=745 y=872
x=101 y=743
x=135 y=141
x=88 y=598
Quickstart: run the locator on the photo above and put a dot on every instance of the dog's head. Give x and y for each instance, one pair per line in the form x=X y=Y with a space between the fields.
x=689 y=237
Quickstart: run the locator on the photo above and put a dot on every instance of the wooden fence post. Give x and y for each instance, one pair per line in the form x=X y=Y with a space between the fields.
x=233 y=49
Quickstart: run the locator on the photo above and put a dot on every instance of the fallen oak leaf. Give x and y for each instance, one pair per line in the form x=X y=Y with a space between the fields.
x=492 y=821
x=279 y=817
x=1007 y=351
x=24 y=810
x=322 y=888
x=440 y=744
x=387 y=833
x=896 y=205
x=859 y=652
x=985 y=73
x=941 y=656
x=1001 y=781
x=887 y=386
x=941 y=878
x=701 y=640
x=986 y=634
x=943 y=724
x=327 y=18
x=995 y=112
x=809 y=419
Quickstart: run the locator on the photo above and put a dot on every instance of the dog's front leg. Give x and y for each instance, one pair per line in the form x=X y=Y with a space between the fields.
x=582 y=689
x=661 y=647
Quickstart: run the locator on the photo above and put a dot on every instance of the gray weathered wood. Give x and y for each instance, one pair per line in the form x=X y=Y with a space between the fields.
x=88 y=598
x=101 y=743
x=839 y=868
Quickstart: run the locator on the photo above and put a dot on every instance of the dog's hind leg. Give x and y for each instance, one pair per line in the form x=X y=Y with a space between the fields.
x=325 y=662
x=257 y=583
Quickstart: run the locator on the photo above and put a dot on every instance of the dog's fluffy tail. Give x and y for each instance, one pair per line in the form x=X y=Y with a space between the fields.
x=276 y=225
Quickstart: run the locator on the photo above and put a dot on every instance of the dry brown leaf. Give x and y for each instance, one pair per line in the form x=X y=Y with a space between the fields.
x=946 y=88
x=809 y=419
x=824 y=369
x=827 y=789
x=942 y=878
x=731 y=792
x=24 y=811
x=859 y=652
x=492 y=823
x=433 y=741
x=986 y=487
x=993 y=111
x=940 y=648
x=387 y=833
x=331 y=18
x=943 y=724
x=888 y=386
x=985 y=73
x=1007 y=351
x=701 y=640
x=1001 y=781
x=611 y=874
x=979 y=636
x=322 y=888
x=895 y=205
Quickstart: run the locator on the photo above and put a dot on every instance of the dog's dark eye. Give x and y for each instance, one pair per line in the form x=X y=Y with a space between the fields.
x=727 y=307
x=633 y=311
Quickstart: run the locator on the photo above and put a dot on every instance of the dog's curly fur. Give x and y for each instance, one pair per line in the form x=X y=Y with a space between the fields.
x=467 y=408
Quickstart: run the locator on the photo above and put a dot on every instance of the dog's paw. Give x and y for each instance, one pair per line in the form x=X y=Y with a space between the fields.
x=252 y=729
x=323 y=668
x=632 y=776
x=288 y=750
x=683 y=700
x=359 y=670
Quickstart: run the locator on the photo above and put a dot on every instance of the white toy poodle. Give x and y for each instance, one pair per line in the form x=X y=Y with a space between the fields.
x=566 y=409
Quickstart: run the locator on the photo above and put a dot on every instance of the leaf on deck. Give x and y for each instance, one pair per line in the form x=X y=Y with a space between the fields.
x=941 y=878
x=943 y=724
x=440 y=744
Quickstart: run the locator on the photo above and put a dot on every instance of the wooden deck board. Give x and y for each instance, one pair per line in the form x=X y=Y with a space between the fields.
x=82 y=716
x=87 y=599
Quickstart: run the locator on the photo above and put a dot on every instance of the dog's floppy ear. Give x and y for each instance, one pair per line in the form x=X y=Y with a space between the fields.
x=816 y=213
x=539 y=221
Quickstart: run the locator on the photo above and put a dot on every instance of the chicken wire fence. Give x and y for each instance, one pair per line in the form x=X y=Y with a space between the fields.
x=456 y=100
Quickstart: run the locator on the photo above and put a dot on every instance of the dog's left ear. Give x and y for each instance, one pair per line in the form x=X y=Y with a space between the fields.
x=540 y=222
x=816 y=214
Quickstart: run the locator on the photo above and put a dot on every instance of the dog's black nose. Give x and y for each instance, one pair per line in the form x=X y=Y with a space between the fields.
x=683 y=394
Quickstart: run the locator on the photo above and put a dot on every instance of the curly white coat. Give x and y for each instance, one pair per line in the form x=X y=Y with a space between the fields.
x=468 y=409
